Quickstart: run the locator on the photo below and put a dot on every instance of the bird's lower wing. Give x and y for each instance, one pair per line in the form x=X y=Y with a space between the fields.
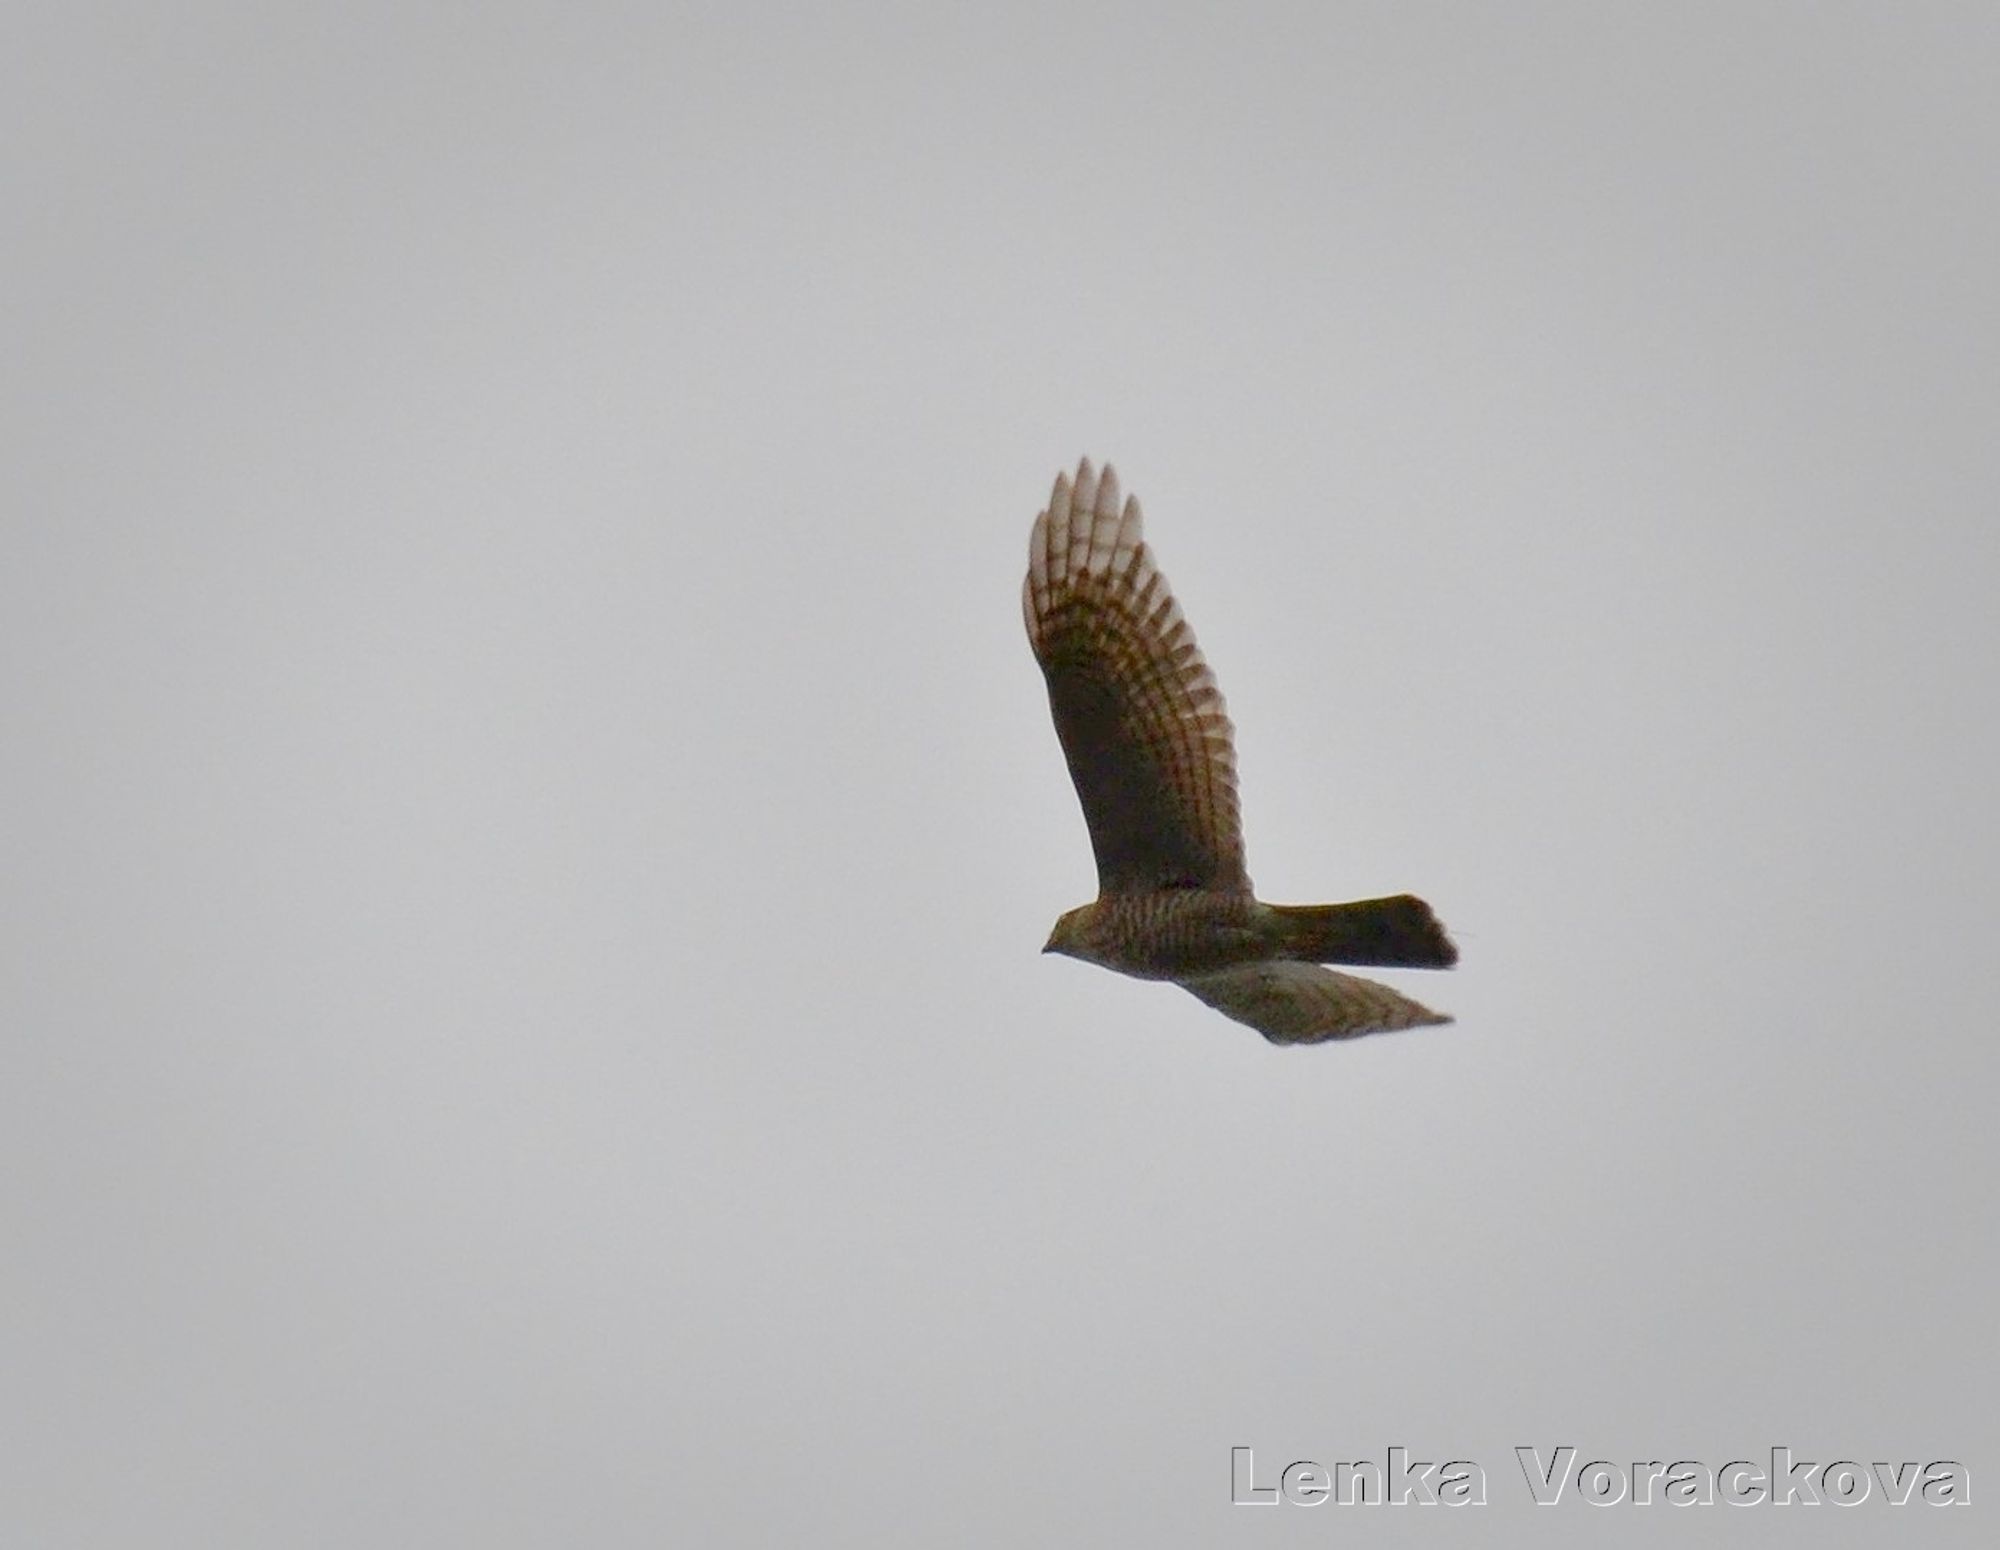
x=1302 y=1003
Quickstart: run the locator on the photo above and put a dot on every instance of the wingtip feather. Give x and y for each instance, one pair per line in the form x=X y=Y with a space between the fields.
x=1107 y=494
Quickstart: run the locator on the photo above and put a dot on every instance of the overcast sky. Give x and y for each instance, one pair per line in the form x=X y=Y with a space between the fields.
x=529 y=817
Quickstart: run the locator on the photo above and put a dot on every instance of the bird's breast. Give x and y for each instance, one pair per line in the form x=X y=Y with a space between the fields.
x=1175 y=933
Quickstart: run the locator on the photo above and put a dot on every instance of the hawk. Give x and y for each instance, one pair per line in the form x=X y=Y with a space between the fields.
x=1151 y=753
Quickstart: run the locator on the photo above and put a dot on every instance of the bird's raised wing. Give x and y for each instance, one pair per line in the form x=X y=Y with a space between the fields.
x=1301 y=1003
x=1140 y=718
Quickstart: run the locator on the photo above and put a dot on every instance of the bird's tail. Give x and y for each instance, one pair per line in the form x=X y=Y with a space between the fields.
x=1388 y=933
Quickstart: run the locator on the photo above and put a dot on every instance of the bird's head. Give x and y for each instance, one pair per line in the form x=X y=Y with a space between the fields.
x=1071 y=936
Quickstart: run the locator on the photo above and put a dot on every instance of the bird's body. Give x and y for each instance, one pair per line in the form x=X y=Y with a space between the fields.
x=1167 y=935
x=1173 y=933
x=1151 y=752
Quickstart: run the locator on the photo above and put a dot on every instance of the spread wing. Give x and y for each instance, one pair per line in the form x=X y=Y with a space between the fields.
x=1140 y=718
x=1301 y=1003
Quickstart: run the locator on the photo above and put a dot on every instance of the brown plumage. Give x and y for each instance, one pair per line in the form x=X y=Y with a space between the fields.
x=1151 y=751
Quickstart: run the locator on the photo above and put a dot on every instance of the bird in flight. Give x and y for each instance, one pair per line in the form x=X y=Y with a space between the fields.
x=1150 y=750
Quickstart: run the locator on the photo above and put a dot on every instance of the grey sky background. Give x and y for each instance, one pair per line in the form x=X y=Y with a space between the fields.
x=529 y=816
